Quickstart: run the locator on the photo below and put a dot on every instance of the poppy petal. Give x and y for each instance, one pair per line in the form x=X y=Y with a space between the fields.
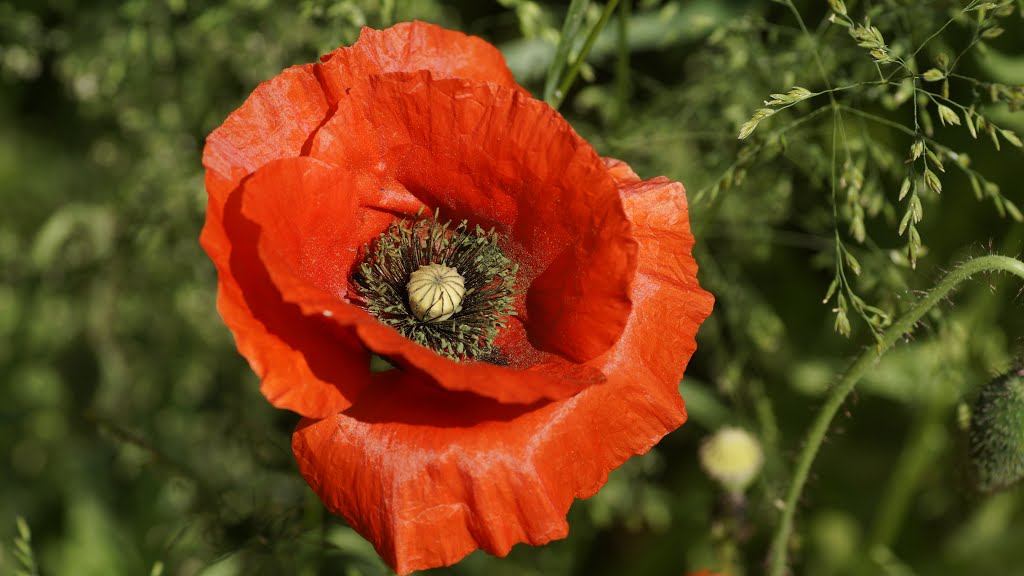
x=500 y=159
x=275 y=121
x=429 y=475
x=306 y=364
x=411 y=47
x=281 y=114
x=295 y=218
x=666 y=273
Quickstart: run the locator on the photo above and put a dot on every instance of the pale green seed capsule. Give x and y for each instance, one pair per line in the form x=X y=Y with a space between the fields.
x=436 y=292
x=732 y=457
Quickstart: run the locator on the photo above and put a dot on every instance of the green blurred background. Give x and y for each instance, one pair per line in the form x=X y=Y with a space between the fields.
x=134 y=440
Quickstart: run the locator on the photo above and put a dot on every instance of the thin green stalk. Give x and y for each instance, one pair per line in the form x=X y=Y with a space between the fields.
x=622 y=70
x=917 y=456
x=700 y=195
x=574 y=70
x=314 y=523
x=570 y=29
x=814 y=40
x=729 y=557
x=819 y=428
x=387 y=12
x=774 y=473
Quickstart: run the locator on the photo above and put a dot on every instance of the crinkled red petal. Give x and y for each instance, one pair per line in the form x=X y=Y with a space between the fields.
x=306 y=364
x=282 y=113
x=409 y=47
x=299 y=217
x=429 y=475
x=666 y=273
x=277 y=121
x=488 y=154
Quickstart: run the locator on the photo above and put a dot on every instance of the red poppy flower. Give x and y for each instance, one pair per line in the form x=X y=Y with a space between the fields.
x=547 y=366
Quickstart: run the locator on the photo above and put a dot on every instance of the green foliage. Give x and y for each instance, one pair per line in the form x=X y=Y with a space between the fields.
x=134 y=438
x=898 y=84
x=23 y=550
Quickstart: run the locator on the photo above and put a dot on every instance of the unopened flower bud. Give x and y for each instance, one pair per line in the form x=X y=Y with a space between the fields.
x=732 y=457
x=997 y=433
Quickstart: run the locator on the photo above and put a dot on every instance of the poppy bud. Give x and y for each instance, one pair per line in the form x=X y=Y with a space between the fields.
x=733 y=457
x=997 y=433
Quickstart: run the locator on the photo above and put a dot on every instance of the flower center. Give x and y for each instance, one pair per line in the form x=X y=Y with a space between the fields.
x=449 y=289
x=435 y=292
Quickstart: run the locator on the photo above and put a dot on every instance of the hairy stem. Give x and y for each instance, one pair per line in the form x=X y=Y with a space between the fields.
x=816 y=433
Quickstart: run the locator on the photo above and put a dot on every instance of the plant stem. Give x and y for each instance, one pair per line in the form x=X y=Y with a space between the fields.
x=622 y=71
x=558 y=97
x=570 y=28
x=814 y=40
x=816 y=433
x=922 y=448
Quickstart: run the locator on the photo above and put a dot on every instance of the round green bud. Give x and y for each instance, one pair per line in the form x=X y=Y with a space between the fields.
x=732 y=457
x=996 y=435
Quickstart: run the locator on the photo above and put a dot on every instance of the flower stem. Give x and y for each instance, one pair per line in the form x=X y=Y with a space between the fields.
x=820 y=426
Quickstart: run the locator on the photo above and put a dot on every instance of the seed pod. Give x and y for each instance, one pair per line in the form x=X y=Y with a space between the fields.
x=996 y=441
x=436 y=292
x=732 y=457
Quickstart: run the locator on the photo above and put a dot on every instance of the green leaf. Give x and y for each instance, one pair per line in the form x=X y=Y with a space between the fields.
x=936 y=161
x=932 y=181
x=904 y=188
x=994 y=32
x=749 y=126
x=1012 y=210
x=915 y=208
x=904 y=222
x=992 y=134
x=838 y=6
x=23 y=530
x=852 y=262
x=831 y=290
x=947 y=115
x=975 y=185
x=916 y=149
x=1010 y=137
